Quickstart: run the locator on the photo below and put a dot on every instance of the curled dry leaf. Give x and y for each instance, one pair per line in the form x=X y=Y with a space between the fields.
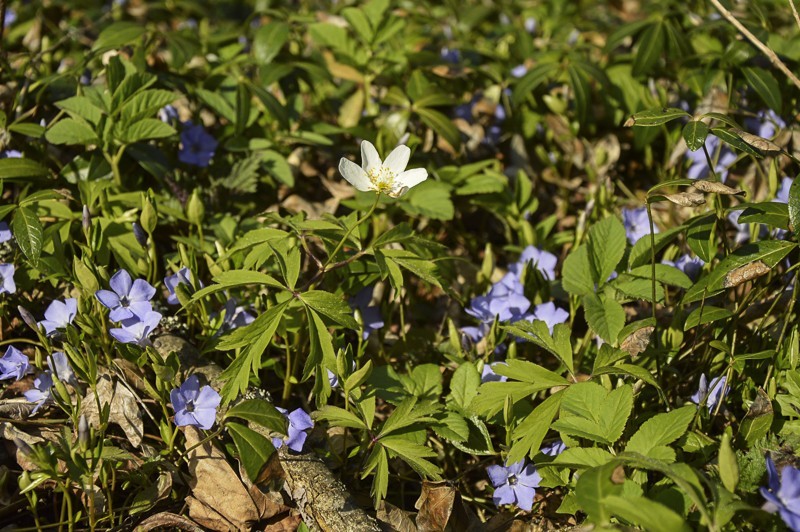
x=394 y=518
x=686 y=199
x=745 y=273
x=637 y=342
x=759 y=143
x=716 y=187
x=762 y=406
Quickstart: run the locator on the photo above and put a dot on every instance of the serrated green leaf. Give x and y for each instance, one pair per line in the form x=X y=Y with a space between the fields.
x=145 y=129
x=339 y=417
x=645 y=513
x=606 y=246
x=253 y=448
x=268 y=41
x=531 y=431
x=604 y=315
x=118 y=34
x=596 y=414
x=21 y=168
x=661 y=429
x=706 y=314
x=70 y=131
x=441 y=125
x=577 y=272
x=82 y=107
x=331 y=306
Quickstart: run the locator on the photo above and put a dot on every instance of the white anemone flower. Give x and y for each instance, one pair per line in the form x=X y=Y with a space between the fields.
x=389 y=177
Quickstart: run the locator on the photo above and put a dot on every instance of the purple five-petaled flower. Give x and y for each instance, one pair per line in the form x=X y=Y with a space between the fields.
x=688 y=264
x=783 y=493
x=514 y=484
x=713 y=393
x=197 y=145
x=59 y=364
x=41 y=391
x=299 y=423
x=58 y=315
x=505 y=300
x=137 y=329
x=782 y=196
x=699 y=168
x=194 y=405
x=488 y=374
x=235 y=316
x=636 y=223
x=554 y=449
x=7 y=284
x=13 y=364
x=128 y=297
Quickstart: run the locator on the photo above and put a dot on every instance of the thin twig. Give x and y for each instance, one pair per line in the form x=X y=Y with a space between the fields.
x=773 y=58
x=794 y=12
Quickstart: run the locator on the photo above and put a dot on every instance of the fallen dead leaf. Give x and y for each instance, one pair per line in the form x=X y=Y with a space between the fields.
x=124 y=409
x=398 y=520
x=745 y=273
x=686 y=199
x=716 y=187
x=435 y=504
x=637 y=341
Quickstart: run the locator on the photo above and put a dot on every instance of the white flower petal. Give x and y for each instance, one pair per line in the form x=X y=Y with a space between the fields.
x=370 y=159
x=398 y=159
x=411 y=178
x=354 y=174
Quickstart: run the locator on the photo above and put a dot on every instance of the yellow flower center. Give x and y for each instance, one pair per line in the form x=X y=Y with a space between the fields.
x=382 y=179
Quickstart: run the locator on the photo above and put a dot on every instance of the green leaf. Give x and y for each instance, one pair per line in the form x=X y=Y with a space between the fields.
x=339 y=417
x=537 y=331
x=235 y=278
x=463 y=387
x=145 y=129
x=645 y=513
x=260 y=412
x=413 y=454
x=661 y=429
x=593 y=487
x=606 y=244
x=651 y=46
x=27 y=231
x=431 y=199
x=70 y=131
x=360 y=23
x=794 y=204
x=706 y=314
x=421 y=267
x=379 y=461
x=583 y=457
x=656 y=117
x=321 y=353
x=770 y=252
x=528 y=435
x=407 y=413
x=604 y=315
x=268 y=41
x=532 y=79
x=580 y=90
x=253 y=448
x=759 y=417
x=145 y=104
x=452 y=427
x=596 y=414
x=218 y=103
x=117 y=34
x=330 y=305
x=640 y=253
x=695 y=133
x=577 y=272
x=728 y=466
x=771 y=213
x=278 y=167
x=440 y=124
x=82 y=107
x=665 y=274
x=28 y=129
x=766 y=86
x=21 y=168
x=701 y=236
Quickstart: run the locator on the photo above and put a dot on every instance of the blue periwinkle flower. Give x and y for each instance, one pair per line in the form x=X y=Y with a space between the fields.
x=371 y=317
x=299 y=422
x=41 y=391
x=59 y=364
x=782 y=196
x=7 y=284
x=550 y=314
x=544 y=261
x=194 y=405
x=235 y=316
x=58 y=315
x=14 y=364
x=699 y=168
x=197 y=145
x=514 y=484
x=765 y=124
x=183 y=276
x=168 y=114
x=519 y=71
x=636 y=223
x=128 y=297
x=10 y=154
x=742 y=229
x=137 y=329
x=783 y=493
x=530 y=25
x=504 y=300
x=554 y=449
x=713 y=393
x=5 y=232
x=488 y=374
x=450 y=55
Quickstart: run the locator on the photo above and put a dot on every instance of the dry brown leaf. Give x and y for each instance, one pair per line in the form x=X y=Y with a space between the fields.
x=686 y=199
x=637 y=341
x=716 y=187
x=124 y=409
x=269 y=504
x=745 y=273
x=394 y=517
x=618 y=475
x=435 y=504
x=762 y=406
x=760 y=143
x=167 y=521
x=290 y=523
x=219 y=499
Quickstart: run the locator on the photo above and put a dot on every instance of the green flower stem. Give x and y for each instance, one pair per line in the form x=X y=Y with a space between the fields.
x=350 y=230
